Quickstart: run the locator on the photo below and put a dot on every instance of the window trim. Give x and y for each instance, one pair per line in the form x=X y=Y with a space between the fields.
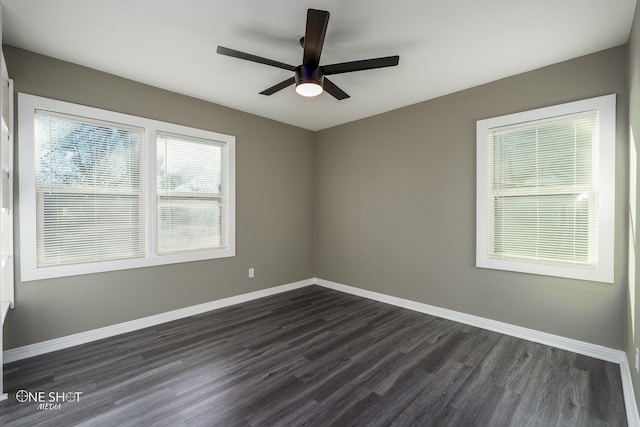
x=604 y=271
x=27 y=105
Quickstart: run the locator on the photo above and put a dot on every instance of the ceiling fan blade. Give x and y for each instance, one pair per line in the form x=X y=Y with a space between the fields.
x=275 y=88
x=253 y=58
x=333 y=90
x=364 y=64
x=317 y=21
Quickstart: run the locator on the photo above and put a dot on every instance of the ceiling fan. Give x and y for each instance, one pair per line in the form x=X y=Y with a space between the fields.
x=309 y=77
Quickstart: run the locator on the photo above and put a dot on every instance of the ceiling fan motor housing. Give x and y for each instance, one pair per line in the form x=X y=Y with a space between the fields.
x=306 y=74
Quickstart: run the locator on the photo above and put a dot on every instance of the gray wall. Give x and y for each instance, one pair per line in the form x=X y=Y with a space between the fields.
x=396 y=205
x=633 y=311
x=385 y=203
x=274 y=211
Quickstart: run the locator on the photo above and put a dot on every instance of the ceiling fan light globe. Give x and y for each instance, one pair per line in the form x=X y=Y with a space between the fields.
x=308 y=89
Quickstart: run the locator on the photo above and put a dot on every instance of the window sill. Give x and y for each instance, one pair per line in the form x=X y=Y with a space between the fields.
x=603 y=274
x=34 y=273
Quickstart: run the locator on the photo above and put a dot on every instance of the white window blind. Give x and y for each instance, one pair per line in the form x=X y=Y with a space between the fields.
x=88 y=190
x=544 y=192
x=191 y=198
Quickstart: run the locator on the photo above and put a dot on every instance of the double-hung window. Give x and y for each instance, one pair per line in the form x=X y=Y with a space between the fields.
x=545 y=202
x=102 y=191
x=88 y=190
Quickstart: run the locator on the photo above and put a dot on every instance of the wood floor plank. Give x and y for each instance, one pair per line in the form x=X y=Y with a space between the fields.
x=429 y=405
x=395 y=401
x=316 y=357
x=479 y=411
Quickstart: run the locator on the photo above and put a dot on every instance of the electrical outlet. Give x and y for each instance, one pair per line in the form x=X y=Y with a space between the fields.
x=637 y=360
x=252 y=273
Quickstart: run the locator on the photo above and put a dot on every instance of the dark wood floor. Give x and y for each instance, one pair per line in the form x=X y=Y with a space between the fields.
x=315 y=357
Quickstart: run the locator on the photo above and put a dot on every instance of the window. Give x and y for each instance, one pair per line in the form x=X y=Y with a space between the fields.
x=89 y=202
x=545 y=202
x=102 y=191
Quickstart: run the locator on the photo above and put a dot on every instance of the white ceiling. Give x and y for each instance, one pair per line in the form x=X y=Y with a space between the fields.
x=444 y=45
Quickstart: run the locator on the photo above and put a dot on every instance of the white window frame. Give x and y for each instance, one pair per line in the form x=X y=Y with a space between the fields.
x=605 y=211
x=27 y=106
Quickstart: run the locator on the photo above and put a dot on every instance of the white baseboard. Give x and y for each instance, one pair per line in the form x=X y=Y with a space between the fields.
x=55 y=344
x=633 y=419
x=580 y=347
x=587 y=349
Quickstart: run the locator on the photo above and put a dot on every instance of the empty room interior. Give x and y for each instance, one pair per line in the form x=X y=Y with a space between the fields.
x=320 y=213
